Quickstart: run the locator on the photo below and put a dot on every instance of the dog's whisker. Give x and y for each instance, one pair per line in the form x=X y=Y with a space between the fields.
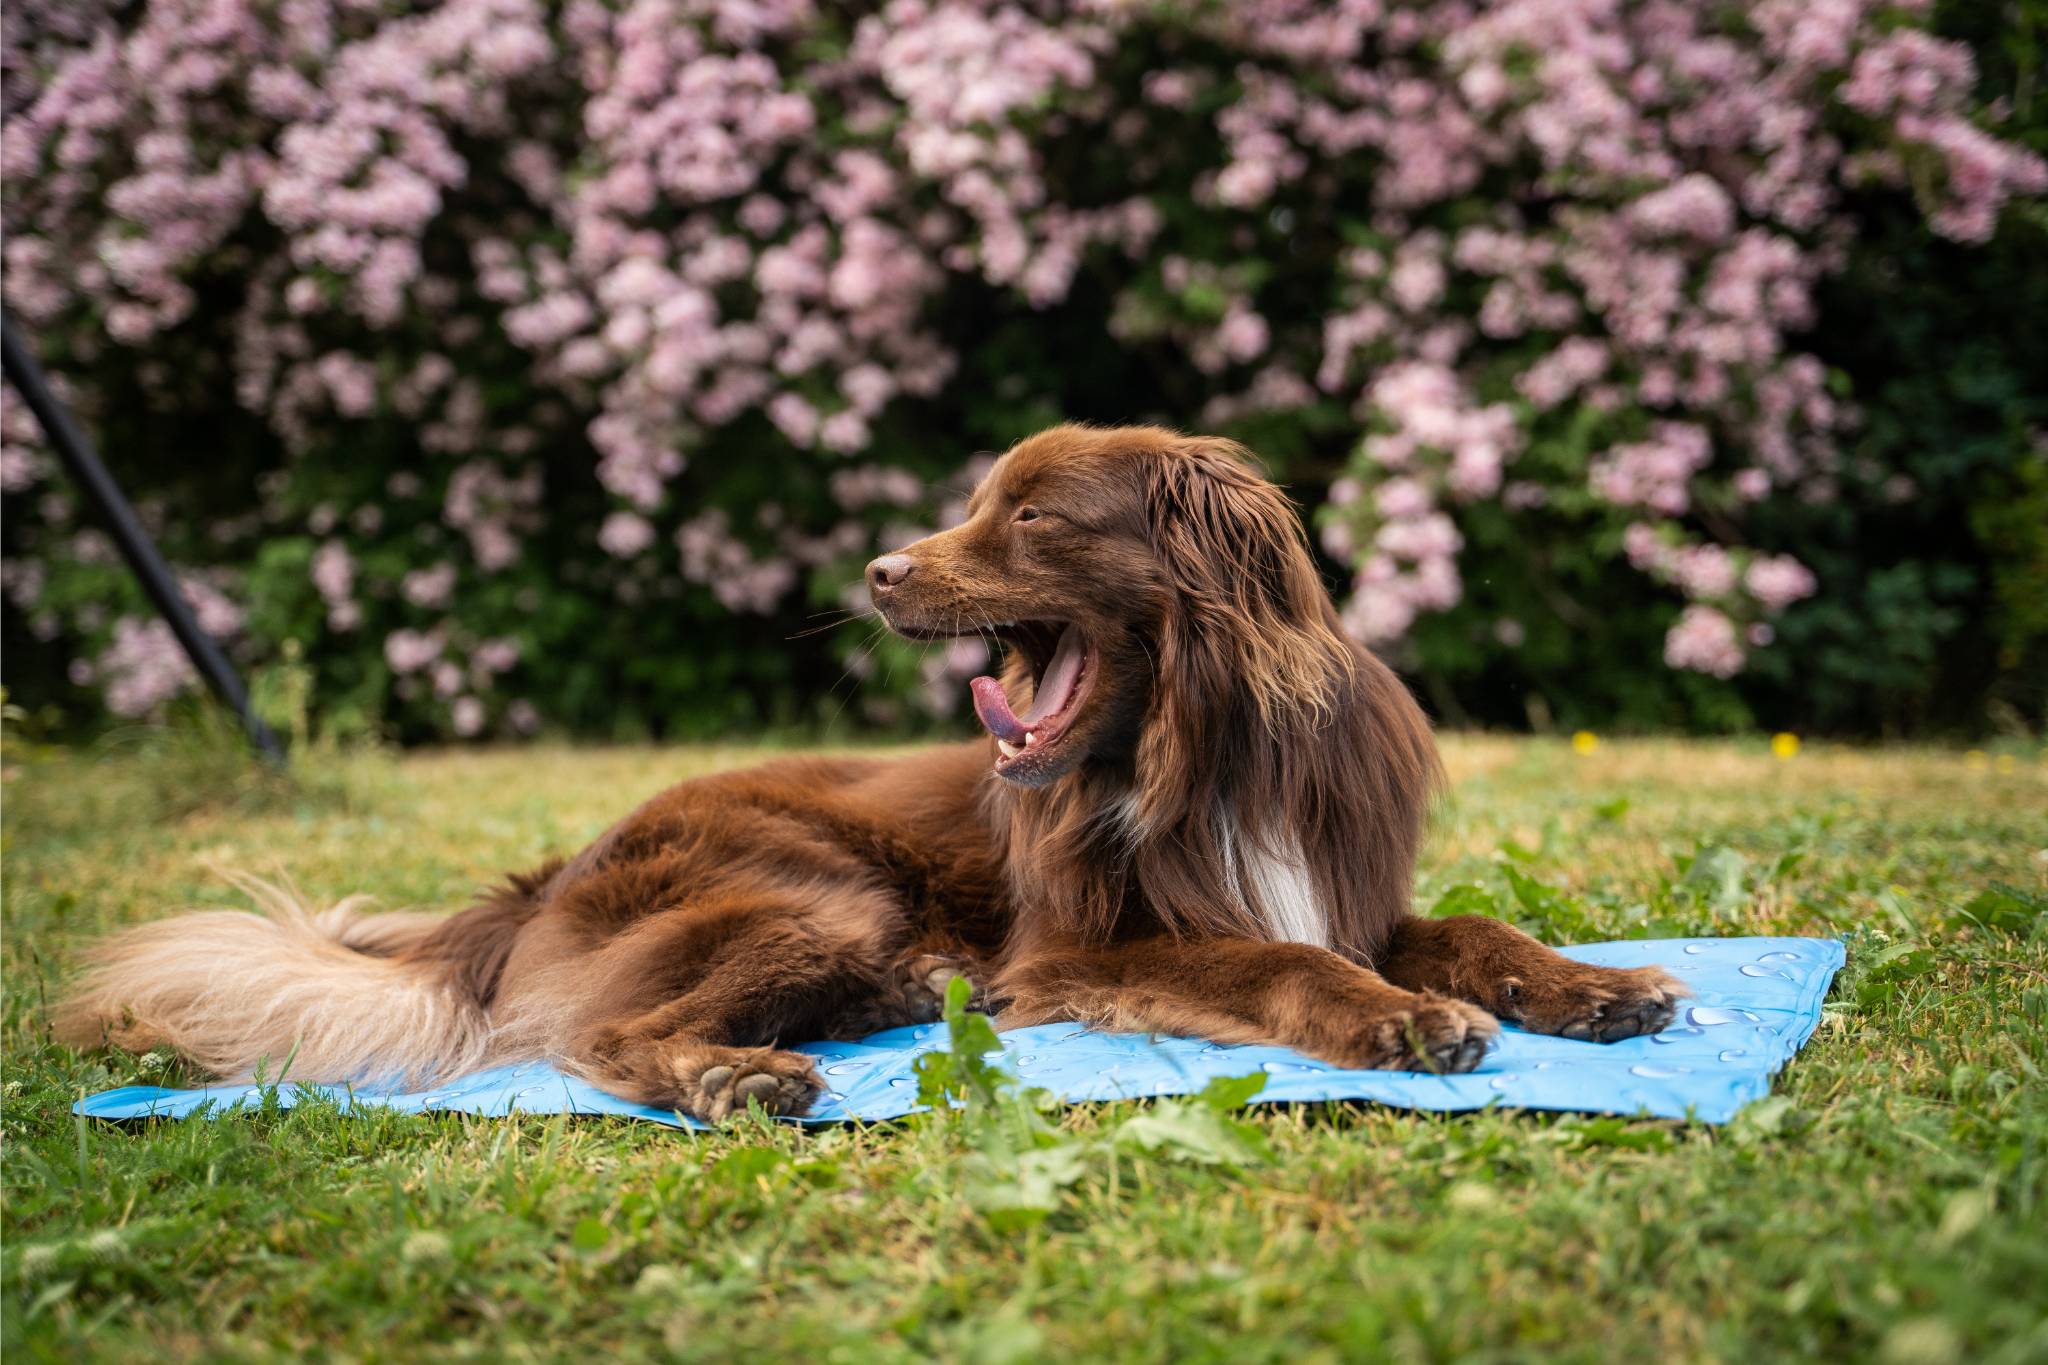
x=845 y=618
x=865 y=649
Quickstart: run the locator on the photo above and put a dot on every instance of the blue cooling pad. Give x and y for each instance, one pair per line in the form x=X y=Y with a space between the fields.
x=1755 y=1001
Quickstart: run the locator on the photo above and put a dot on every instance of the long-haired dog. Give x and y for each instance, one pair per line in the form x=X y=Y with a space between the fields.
x=1196 y=812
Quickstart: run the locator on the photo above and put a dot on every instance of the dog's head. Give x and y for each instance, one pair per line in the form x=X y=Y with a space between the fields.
x=1142 y=581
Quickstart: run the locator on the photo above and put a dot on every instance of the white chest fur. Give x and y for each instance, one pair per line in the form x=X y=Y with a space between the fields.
x=1277 y=885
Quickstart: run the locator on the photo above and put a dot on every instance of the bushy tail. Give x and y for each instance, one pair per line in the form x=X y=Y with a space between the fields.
x=300 y=995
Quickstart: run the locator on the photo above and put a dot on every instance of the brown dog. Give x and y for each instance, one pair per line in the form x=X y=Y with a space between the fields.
x=1197 y=813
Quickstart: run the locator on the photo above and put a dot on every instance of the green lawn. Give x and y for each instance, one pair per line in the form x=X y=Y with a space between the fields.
x=1890 y=1202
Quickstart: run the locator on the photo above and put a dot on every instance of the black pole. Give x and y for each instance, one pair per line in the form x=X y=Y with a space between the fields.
x=136 y=546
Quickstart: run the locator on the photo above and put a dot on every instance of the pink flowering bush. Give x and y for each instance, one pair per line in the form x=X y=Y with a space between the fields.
x=556 y=363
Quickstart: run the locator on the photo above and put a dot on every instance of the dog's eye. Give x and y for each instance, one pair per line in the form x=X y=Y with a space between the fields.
x=1027 y=514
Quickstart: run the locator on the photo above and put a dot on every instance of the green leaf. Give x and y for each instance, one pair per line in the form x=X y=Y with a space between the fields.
x=1612 y=811
x=1467 y=899
x=1204 y=300
x=52 y=1296
x=1025 y=1190
x=1891 y=969
x=1771 y=1117
x=1614 y=1132
x=2004 y=909
x=1898 y=908
x=1533 y=895
x=935 y=1082
x=1717 y=874
x=746 y=1165
x=1550 y=910
x=1177 y=1131
x=963 y=1071
x=1003 y=1338
x=1228 y=1093
x=590 y=1235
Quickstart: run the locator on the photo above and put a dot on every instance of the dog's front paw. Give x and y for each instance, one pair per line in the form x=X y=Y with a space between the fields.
x=1592 y=1004
x=1428 y=1033
x=713 y=1083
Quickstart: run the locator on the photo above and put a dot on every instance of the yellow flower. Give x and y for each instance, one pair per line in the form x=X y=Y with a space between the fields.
x=1585 y=742
x=2006 y=763
x=1976 y=760
x=1784 y=744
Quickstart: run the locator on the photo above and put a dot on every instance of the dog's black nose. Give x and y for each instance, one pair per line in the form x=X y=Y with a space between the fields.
x=885 y=573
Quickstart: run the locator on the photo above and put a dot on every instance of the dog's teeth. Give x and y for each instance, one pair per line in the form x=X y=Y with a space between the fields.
x=1009 y=750
x=1030 y=738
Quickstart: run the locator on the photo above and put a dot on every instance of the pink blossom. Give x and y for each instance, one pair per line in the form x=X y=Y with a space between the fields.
x=1242 y=334
x=625 y=534
x=431 y=587
x=142 y=668
x=497 y=656
x=217 y=614
x=1401 y=499
x=1173 y=89
x=409 y=651
x=1695 y=206
x=1777 y=581
x=844 y=432
x=1418 y=278
x=670 y=219
x=1375 y=616
x=333 y=572
x=1703 y=571
x=1430 y=536
x=1577 y=361
x=1704 y=641
x=466 y=716
x=1656 y=473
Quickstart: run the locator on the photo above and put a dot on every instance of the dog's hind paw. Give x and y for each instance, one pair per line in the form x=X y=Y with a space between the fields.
x=922 y=982
x=713 y=1083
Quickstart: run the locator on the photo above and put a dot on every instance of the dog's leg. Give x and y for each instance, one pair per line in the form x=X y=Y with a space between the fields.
x=1244 y=992
x=1502 y=970
x=731 y=982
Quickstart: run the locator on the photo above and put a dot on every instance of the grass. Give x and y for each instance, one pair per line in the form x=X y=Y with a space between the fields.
x=1890 y=1201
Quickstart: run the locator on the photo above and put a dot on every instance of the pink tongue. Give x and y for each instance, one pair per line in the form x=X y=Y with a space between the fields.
x=994 y=709
x=1055 y=690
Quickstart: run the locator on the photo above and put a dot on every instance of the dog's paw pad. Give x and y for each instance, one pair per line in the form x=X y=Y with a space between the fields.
x=1449 y=1036
x=759 y=1087
x=1603 y=1004
x=1433 y=1034
x=782 y=1083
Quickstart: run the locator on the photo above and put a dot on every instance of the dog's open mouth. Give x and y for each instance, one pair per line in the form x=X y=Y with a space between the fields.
x=1062 y=669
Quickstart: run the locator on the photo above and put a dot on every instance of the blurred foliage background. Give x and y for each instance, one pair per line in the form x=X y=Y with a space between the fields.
x=342 y=304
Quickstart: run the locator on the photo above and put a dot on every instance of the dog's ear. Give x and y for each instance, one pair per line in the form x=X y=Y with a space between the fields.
x=1250 y=612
